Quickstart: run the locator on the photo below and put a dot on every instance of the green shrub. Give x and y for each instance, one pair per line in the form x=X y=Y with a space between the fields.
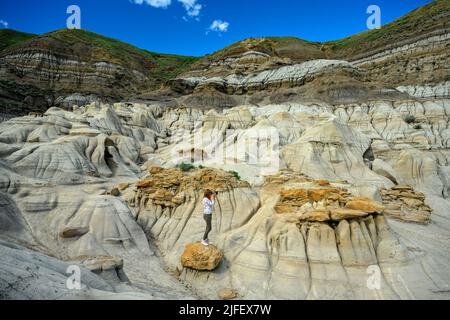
x=235 y=174
x=201 y=167
x=418 y=126
x=409 y=118
x=185 y=167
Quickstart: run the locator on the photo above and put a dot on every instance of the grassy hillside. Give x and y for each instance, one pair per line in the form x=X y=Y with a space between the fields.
x=269 y=45
x=168 y=66
x=9 y=38
x=433 y=16
x=101 y=48
x=92 y=47
x=296 y=49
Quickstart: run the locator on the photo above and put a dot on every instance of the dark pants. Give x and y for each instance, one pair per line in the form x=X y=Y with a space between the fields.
x=208 y=218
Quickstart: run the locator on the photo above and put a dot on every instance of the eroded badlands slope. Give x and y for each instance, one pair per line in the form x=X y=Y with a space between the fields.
x=58 y=172
x=68 y=67
x=332 y=167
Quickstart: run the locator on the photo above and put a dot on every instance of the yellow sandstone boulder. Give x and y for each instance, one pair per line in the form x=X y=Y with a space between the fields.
x=227 y=294
x=199 y=257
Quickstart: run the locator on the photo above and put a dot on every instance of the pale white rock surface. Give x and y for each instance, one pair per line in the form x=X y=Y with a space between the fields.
x=293 y=74
x=57 y=173
x=441 y=90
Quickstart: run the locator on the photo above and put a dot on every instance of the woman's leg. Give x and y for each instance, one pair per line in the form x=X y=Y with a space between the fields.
x=207 y=218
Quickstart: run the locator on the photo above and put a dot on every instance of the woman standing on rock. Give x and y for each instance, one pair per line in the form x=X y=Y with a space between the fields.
x=208 y=209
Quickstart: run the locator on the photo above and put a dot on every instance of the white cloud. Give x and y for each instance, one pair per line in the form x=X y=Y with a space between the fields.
x=4 y=23
x=219 y=26
x=192 y=7
x=154 y=3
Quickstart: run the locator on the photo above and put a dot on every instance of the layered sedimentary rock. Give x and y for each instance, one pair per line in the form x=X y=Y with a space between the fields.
x=332 y=81
x=52 y=277
x=292 y=75
x=298 y=255
x=255 y=55
x=410 y=51
x=405 y=204
x=76 y=67
x=423 y=60
x=439 y=90
x=62 y=204
x=97 y=185
x=331 y=165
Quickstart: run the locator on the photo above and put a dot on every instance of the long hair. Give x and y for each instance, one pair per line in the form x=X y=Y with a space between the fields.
x=208 y=193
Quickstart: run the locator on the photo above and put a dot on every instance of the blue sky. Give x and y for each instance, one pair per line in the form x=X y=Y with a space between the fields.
x=187 y=26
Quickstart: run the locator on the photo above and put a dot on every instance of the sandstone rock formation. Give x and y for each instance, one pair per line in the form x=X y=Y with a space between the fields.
x=405 y=204
x=297 y=208
x=408 y=54
x=41 y=277
x=227 y=294
x=200 y=257
x=76 y=67
x=331 y=183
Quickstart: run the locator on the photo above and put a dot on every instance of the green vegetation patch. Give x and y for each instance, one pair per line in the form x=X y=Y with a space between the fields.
x=97 y=48
x=428 y=17
x=409 y=119
x=9 y=38
x=235 y=174
x=185 y=167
